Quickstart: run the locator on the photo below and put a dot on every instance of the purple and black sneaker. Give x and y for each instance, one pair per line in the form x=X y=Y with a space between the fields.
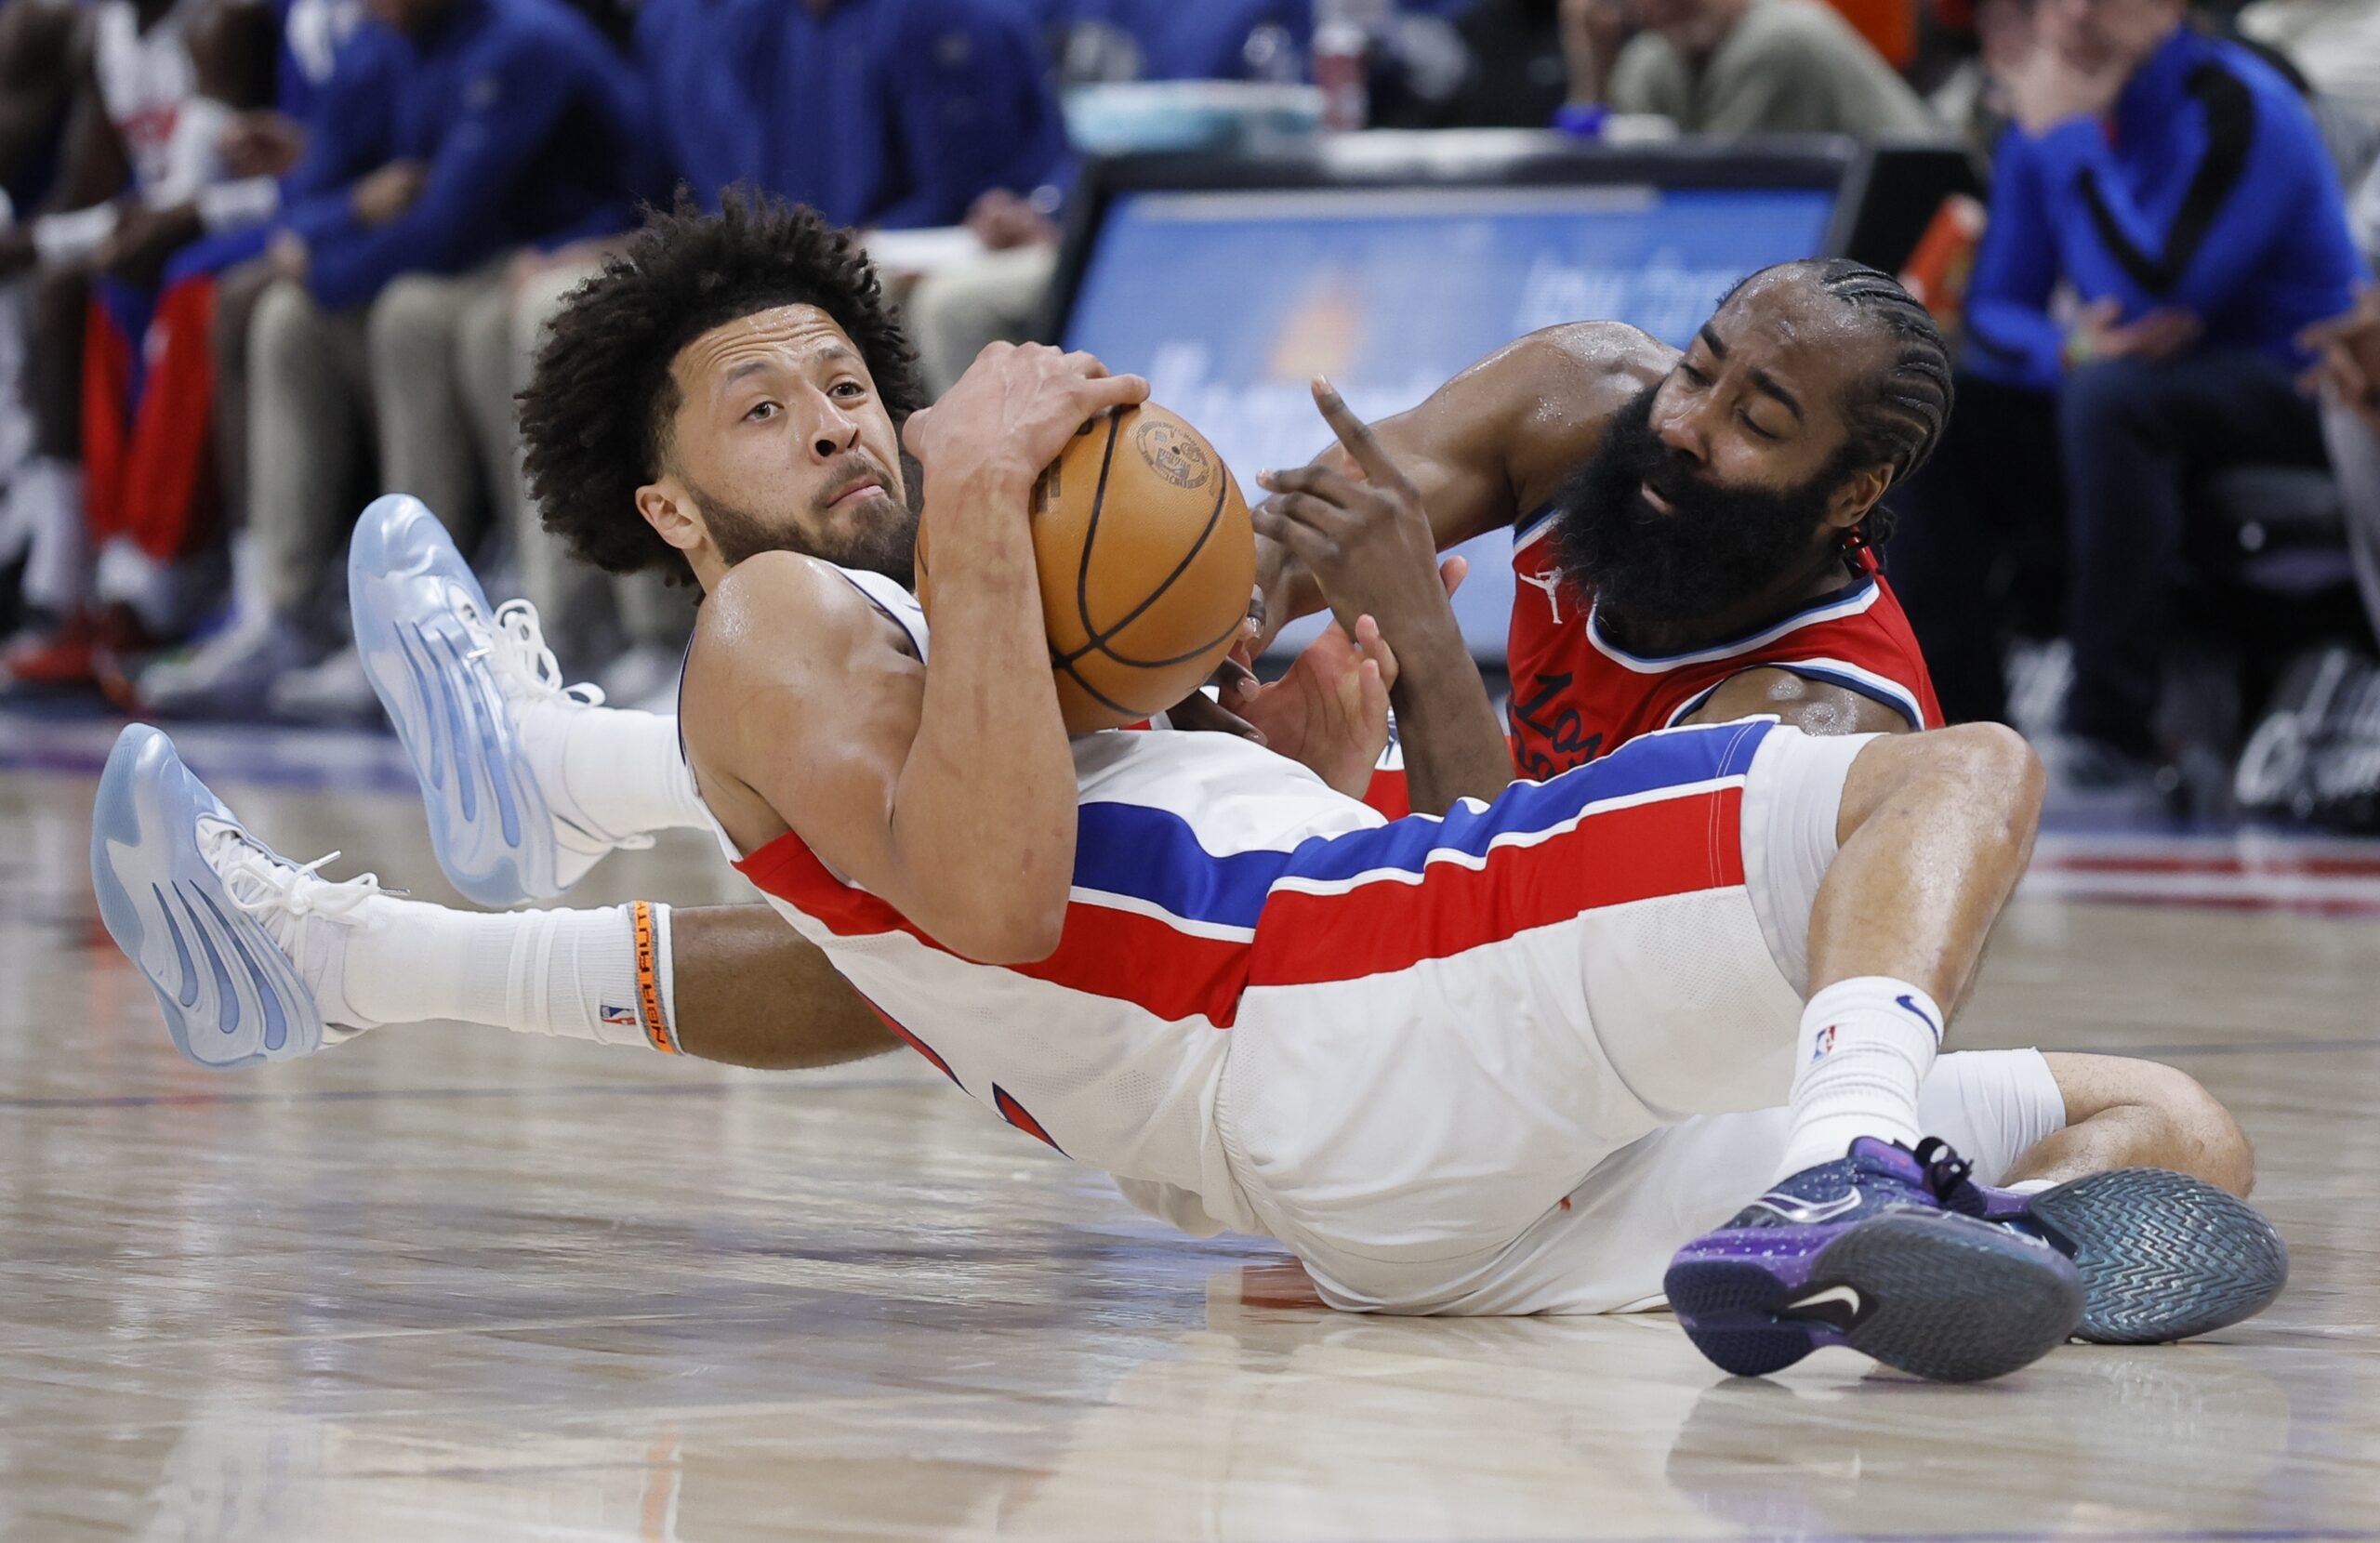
x=1865 y=1252
x=2164 y=1256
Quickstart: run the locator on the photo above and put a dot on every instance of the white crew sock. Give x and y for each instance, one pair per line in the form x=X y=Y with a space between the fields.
x=601 y=975
x=614 y=771
x=1865 y=1045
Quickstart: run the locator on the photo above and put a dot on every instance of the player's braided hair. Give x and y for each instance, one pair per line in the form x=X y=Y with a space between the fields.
x=595 y=419
x=1899 y=413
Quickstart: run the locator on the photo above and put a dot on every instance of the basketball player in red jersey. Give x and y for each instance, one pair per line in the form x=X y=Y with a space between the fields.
x=1693 y=531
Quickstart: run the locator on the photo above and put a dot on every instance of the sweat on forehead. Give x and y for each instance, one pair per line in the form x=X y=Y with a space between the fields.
x=1789 y=304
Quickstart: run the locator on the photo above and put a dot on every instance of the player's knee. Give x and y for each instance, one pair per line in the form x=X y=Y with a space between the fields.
x=1989 y=767
x=2228 y=1157
x=2199 y=1126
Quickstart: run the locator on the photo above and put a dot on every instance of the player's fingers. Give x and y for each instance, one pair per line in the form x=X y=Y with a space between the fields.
x=912 y=428
x=1318 y=551
x=1319 y=481
x=1286 y=511
x=1234 y=679
x=1452 y=571
x=1375 y=648
x=1085 y=363
x=1356 y=436
x=1197 y=714
x=1111 y=390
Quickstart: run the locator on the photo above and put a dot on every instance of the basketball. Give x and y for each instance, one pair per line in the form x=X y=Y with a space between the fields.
x=1146 y=559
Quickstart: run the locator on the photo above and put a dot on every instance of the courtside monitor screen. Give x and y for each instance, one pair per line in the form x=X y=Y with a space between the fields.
x=1231 y=299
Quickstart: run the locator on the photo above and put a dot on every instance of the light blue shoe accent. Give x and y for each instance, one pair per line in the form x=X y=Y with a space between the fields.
x=229 y=994
x=422 y=623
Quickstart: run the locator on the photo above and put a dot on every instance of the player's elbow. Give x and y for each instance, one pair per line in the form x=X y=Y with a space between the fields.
x=1016 y=923
x=1013 y=935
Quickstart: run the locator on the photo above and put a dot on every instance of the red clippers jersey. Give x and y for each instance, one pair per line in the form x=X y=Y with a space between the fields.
x=1578 y=696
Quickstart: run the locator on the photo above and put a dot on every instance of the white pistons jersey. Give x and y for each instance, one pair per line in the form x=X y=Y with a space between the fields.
x=1505 y=1061
x=1110 y=1051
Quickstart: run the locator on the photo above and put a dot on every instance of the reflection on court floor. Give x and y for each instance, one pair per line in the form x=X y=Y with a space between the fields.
x=454 y=1285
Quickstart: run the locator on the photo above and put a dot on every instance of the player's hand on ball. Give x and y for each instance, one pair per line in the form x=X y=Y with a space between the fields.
x=1014 y=410
x=1330 y=713
x=1358 y=526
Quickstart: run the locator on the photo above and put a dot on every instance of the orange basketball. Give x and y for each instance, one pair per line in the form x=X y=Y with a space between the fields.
x=1146 y=559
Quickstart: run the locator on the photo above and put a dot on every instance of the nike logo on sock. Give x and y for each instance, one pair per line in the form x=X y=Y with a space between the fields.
x=1919 y=1013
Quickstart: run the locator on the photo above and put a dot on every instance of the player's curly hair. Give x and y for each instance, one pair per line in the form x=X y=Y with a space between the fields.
x=595 y=418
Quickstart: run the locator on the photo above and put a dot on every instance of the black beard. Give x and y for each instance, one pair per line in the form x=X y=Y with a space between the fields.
x=887 y=546
x=1715 y=549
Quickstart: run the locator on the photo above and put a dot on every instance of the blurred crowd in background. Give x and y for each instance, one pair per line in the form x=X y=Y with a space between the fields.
x=262 y=259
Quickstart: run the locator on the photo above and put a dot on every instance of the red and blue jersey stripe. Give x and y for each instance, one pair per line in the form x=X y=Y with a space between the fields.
x=1158 y=919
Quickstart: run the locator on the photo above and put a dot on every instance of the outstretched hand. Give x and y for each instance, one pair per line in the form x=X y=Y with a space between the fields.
x=1358 y=526
x=1330 y=711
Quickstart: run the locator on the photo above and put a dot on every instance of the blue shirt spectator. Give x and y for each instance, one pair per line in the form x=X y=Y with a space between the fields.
x=2209 y=191
x=312 y=33
x=711 y=62
x=530 y=129
x=901 y=113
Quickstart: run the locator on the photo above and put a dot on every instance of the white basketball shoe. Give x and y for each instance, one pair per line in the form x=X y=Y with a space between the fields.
x=481 y=706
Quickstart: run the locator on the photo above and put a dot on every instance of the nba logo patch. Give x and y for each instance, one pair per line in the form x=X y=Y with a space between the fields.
x=626 y=1017
x=1825 y=1043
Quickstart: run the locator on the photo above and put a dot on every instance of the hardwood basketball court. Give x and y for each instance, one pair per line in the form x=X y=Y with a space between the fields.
x=447 y=1284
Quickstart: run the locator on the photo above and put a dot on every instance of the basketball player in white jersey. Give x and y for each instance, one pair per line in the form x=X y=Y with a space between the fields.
x=1502 y=1062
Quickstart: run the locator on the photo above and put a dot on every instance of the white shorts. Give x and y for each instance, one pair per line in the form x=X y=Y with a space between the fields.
x=1535 y=1123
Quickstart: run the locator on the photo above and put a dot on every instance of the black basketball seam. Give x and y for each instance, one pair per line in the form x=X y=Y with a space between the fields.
x=1097 y=638
x=1091 y=528
x=1177 y=659
x=1094 y=691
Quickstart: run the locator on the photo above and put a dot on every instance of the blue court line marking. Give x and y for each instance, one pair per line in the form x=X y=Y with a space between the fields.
x=401 y=1095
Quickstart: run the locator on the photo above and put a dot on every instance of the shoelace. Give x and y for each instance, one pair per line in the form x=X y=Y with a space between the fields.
x=517 y=645
x=259 y=880
x=1946 y=1171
